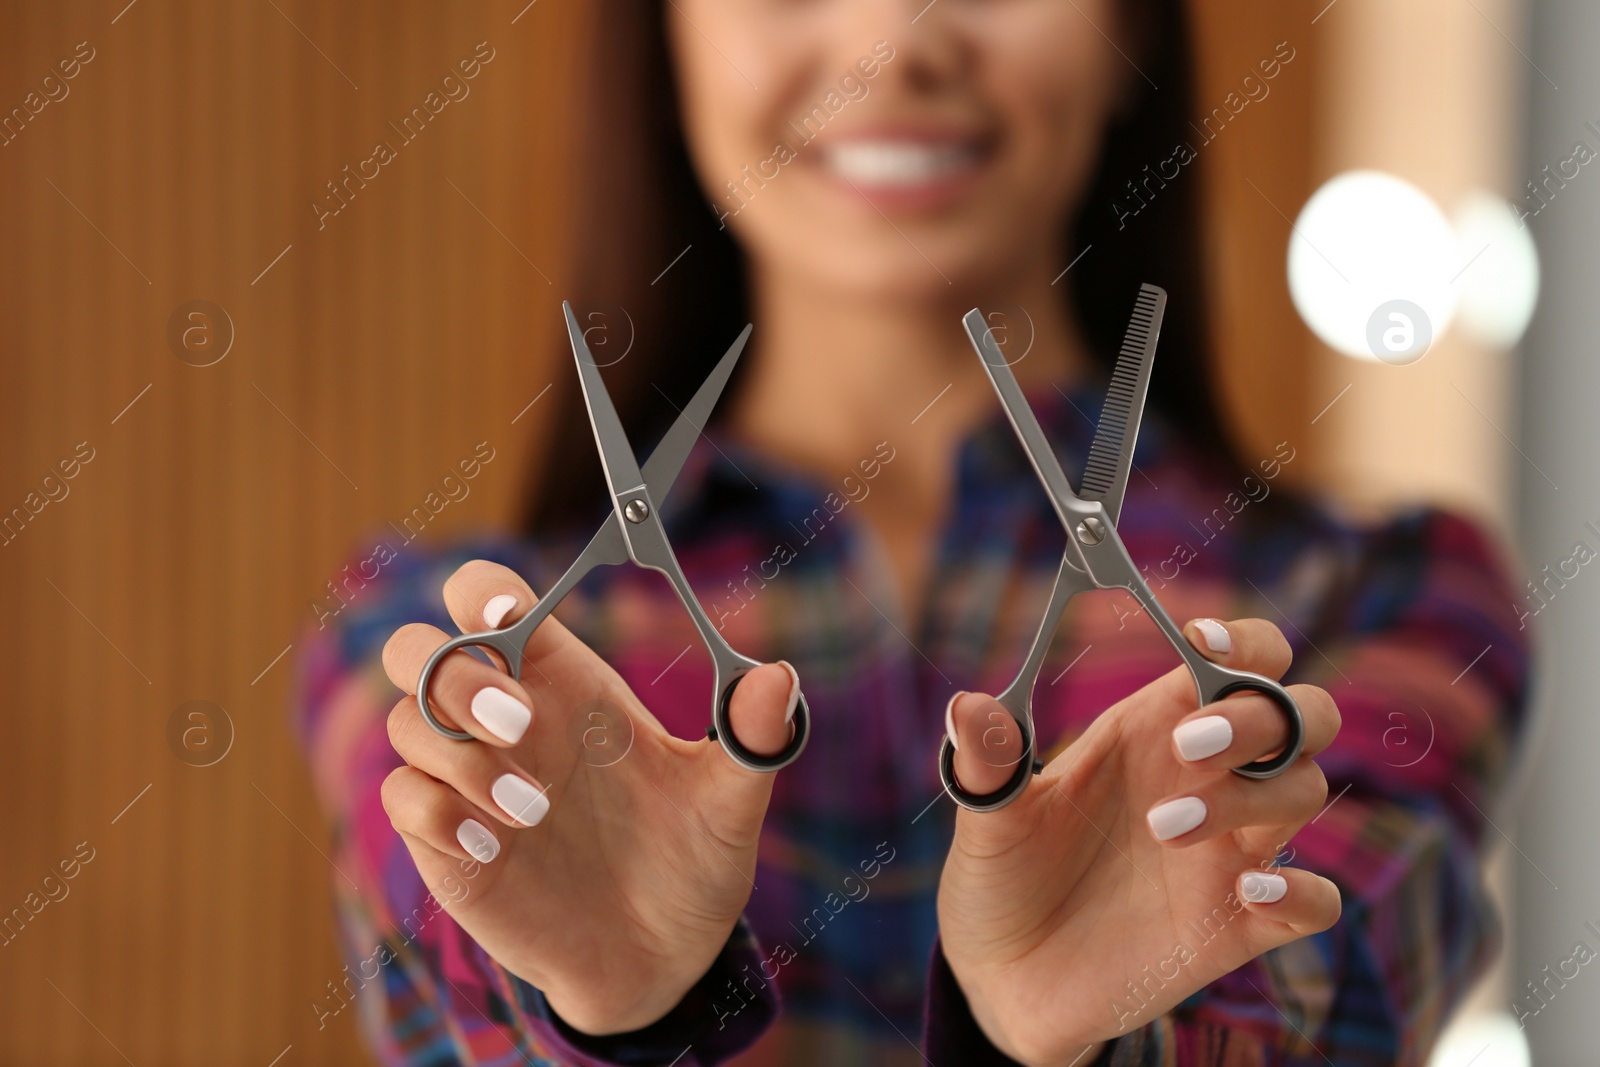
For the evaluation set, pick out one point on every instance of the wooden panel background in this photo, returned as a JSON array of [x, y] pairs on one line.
[[369, 356]]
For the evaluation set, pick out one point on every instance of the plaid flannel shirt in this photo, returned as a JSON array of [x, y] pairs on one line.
[[1409, 624]]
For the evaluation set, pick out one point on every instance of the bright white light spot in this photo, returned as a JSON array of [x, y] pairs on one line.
[[1369, 254], [1499, 289], [1492, 1039]]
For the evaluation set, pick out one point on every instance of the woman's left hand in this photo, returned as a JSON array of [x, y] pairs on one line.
[[1127, 876]]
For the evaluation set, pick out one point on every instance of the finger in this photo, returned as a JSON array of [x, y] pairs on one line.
[[761, 709], [988, 742], [1229, 803], [1253, 645], [464, 693], [1249, 726], [483, 595], [430, 811], [760, 712], [1287, 903], [487, 777]]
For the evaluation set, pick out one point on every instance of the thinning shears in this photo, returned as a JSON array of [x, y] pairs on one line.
[[633, 532], [1095, 557]]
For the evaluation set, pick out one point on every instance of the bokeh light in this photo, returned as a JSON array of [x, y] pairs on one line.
[[1499, 282], [1365, 243]]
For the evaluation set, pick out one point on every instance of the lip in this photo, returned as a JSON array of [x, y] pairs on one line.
[[911, 194]]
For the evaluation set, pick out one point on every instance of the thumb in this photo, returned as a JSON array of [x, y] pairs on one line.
[[989, 747], [762, 708], [987, 740], [761, 713]]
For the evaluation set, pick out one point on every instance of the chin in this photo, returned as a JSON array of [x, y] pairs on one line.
[[882, 264], [900, 274]]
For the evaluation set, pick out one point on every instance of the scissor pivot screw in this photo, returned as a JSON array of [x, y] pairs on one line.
[[1091, 532], [636, 510]]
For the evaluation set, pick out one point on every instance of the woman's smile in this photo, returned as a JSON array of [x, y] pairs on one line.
[[906, 168]]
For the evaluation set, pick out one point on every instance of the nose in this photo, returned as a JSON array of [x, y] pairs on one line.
[[931, 48]]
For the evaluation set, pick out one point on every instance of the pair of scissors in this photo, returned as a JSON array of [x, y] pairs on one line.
[[1095, 557], [633, 532]]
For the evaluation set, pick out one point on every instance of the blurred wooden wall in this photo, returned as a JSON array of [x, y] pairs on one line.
[[1259, 171], [367, 361], [368, 357]]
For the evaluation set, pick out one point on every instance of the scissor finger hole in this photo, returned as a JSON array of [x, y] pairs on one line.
[[1294, 722], [476, 647], [722, 732], [1021, 775], [994, 735]]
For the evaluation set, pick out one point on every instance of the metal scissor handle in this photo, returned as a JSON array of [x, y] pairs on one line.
[[729, 665], [508, 641], [721, 728], [1026, 767], [648, 545], [1018, 701], [1109, 560], [1212, 681], [730, 668]]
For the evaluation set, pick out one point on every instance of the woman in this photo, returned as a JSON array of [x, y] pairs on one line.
[[862, 519]]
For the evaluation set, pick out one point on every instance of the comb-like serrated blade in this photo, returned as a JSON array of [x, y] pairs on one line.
[[1105, 475]]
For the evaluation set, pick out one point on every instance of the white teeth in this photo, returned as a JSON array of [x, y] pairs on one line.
[[898, 162]]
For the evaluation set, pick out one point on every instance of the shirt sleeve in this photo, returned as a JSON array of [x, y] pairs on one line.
[[425, 992], [1414, 632], [952, 1035], [1422, 647]]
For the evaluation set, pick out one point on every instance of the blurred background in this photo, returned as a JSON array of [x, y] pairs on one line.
[[212, 389]]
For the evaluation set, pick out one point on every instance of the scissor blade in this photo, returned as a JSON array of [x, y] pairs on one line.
[[616, 455], [1105, 474], [662, 468], [1023, 420], [608, 547]]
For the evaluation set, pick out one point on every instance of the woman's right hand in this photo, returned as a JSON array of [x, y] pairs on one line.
[[610, 886]]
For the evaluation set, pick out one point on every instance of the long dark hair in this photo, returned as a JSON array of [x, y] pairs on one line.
[[637, 205]]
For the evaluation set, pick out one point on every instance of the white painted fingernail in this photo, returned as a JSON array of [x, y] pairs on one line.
[[1215, 634], [950, 720], [1259, 888], [478, 841], [1176, 817], [496, 609], [519, 799], [794, 689], [1202, 737], [501, 714]]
